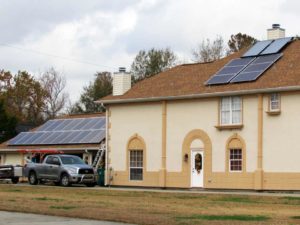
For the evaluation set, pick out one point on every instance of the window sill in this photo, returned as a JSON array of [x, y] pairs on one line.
[[273, 113], [229, 127]]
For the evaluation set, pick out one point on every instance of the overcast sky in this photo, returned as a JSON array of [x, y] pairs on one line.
[[108, 34]]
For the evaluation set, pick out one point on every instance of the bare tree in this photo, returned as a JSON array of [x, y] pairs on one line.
[[54, 84], [209, 51]]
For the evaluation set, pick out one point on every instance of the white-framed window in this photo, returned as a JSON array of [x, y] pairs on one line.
[[231, 110], [136, 164], [274, 102], [235, 160]]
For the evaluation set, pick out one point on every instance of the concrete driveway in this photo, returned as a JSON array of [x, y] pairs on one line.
[[12, 218]]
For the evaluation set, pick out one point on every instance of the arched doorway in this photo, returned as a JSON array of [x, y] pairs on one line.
[[197, 146]]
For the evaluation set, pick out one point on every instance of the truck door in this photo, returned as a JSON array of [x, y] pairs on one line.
[[53, 169], [44, 167]]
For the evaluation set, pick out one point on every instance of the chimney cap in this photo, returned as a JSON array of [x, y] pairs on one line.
[[275, 25], [122, 69]]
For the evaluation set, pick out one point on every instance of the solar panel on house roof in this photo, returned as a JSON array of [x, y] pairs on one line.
[[276, 46], [64, 131], [229, 71], [256, 68], [257, 48]]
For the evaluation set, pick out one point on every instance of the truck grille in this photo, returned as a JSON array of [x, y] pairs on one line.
[[86, 171]]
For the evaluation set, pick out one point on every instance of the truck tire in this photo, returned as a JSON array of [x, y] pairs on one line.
[[64, 180], [15, 180], [32, 179]]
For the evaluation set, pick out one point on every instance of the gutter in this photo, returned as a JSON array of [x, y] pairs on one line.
[[204, 95], [3, 150]]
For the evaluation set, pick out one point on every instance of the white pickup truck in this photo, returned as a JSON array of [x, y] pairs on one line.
[[63, 170]]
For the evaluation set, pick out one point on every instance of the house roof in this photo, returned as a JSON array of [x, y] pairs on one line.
[[189, 79]]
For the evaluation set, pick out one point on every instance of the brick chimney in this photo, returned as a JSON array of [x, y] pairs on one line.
[[276, 32], [121, 82]]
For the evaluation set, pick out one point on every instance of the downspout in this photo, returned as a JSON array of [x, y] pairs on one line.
[[163, 171], [106, 145], [258, 178]]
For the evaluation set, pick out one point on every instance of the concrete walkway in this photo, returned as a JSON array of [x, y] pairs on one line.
[[12, 218], [185, 191], [205, 191]]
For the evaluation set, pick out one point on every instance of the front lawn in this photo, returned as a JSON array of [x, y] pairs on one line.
[[151, 208]]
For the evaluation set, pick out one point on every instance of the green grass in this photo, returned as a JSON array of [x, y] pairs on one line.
[[237, 199], [13, 190], [295, 217], [47, 199], [291, 198], [66, 207], [224, 217]]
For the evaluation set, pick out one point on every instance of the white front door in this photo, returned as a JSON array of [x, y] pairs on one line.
[[197, 168]]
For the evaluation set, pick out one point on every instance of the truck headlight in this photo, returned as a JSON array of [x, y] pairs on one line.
[[72, 170]]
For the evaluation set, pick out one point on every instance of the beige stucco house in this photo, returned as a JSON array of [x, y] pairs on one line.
[[174, 130]]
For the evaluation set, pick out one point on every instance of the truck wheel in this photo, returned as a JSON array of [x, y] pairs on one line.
[[15, 180], [32, 179], [64, 180]]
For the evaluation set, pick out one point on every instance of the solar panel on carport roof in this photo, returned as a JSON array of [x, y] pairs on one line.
[[99, 124], [276, 46], [18, 138], [229, 71], [98, 137], [257, 48], [256, 68], [63, 131], [45, 126]]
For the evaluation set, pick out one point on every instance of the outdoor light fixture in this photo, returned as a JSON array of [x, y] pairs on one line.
[[186, 157]]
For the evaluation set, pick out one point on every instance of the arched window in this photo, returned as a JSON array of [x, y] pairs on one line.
[[236, 154], [136, 150]]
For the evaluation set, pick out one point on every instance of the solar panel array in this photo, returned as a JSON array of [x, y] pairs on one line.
[[267, 47], [256, 68], [252, 64], [229, 71], [64, 131], [257, 48]]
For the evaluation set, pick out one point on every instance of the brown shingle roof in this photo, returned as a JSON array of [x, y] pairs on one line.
[[189, 79]]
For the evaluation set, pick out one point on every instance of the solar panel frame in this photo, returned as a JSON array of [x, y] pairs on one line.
[[257, 48], [276, 46], [223, 76], [262, 62]]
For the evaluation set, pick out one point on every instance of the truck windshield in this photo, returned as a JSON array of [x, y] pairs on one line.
[[67, 160]]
